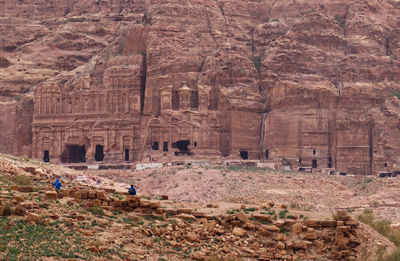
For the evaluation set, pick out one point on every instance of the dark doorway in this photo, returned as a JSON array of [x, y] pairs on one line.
[[314, 152], [165, 147], [76, 153], [126, 154], [99, 155], [183, 146], [155, 146], [244, 154], [330, 162], [195, 143], [46, 156], [314, 163], [266, 154]]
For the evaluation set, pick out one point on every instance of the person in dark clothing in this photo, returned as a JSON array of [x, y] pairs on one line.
[[132, 190]]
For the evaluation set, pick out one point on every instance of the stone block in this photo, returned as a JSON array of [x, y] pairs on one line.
[[310, 235], [300, 245], [101, 194], [280, 237], [66, 192], [199, 214], [263, 231], [342, 215], [34, 218], [26, 189], [186, 216], [155, 204], [164, 197], [19, 199], [51, 194], [268, 204], [1, 210], [343, 228], [242, 217], [144, 204], [117, 203], [97, 203], [20, 210], [14, 187], [192, 237], [133, 204], [271, 228], [84, 194], [297, 228], [249, 226], [237, 231], [92, 194], [319, 244], [130, 198], [185, 210], [312, 223], [170, 211], [352, 223], [328, 223]]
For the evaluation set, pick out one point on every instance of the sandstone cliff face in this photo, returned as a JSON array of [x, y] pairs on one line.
[[299, 83]]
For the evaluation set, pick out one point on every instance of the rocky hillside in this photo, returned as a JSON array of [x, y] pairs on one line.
[[95, 222], [298, 82]]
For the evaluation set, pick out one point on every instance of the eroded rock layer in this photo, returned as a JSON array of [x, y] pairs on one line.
[[309, 83]]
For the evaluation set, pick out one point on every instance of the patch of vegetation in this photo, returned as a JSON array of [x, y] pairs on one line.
[[392, 257], [283, 213], [298, 206], [21, 180], [4, 179], [397, 94], [7, 209], [381, 226], [340, 20], [364, 183], [25, 241], [246, 168], [249, 209], [257, 62], [97, 211], [232, 211]]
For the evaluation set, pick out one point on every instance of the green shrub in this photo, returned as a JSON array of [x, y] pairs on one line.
[[97, 211], [381, 226], [7, 209], [257, 62], [283, 213], [340, 20], [393, 257], [397, 94], [21, 180]]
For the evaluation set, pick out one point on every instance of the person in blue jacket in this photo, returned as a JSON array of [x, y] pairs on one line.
[[57, 184], [132, 190]]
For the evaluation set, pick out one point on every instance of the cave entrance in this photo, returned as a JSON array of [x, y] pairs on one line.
[[126, 154], [330, 162], [155, 146], [99, 154], [46, 156], [244, 154], [183, 146], [314, 163], [266, 154], [76, 153], [165, 147]]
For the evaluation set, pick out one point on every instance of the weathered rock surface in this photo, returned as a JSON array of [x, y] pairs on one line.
[[298, 83]]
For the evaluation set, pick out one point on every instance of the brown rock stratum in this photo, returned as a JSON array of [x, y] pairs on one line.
[[300, 83]]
